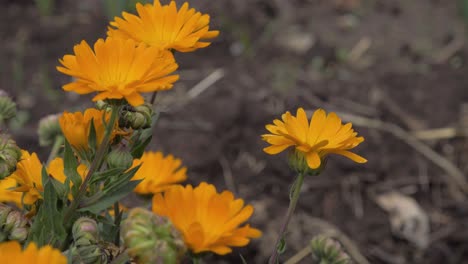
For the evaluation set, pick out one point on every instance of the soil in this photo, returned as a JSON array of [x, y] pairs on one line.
[[396, 61]]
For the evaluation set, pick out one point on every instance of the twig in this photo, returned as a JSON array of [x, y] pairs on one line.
[[455, 178], [205, 83], [438, 133], [306, 251]]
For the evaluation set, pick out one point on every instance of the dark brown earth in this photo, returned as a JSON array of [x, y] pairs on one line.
[[397, 61]]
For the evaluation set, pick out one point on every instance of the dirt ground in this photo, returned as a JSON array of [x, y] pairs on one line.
[[393, 67]]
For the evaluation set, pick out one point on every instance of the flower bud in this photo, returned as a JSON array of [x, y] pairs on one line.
[[138, 117], [119, 158], [85, 229], [151, 238], [328, 251], [13, 224], [85, 248], [298, 163], [9, 155], [7, 107], [49, 129]]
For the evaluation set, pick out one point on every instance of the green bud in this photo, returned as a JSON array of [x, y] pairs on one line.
[[7, 107], [85, 229], [298, 163], [49, 129], [138, 117], [326, 250], [10, 154], [119, 158], [13, 224], [151, 238], [85, 248]]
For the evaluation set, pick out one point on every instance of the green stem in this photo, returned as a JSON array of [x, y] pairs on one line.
[[296, 191], [117, 219], [94, 165], [55, 148]]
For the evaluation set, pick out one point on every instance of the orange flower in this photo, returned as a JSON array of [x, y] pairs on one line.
[[76, 127], [158, 172], [118, 68], [325, 134], [208, 220], [11, 252], [164, 27], [27, 179]]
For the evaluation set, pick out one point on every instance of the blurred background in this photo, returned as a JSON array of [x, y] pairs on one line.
[[395, 68]]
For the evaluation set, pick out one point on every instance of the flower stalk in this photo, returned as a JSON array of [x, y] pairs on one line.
[[294, 198]]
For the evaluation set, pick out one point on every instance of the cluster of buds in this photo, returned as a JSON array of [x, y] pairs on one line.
[[7, 107], [326, 250], [10, 154], [138, 117], [13, 224], [85, 248], [151, 238], [49, 129]]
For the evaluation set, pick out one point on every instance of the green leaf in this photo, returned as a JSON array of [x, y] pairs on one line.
[[48, 228], [70, 164], [109, 198], [141, 143], [92, 141], [105, 175], [281, 246]]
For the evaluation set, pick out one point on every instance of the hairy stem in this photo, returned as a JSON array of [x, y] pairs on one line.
[[296, 191]]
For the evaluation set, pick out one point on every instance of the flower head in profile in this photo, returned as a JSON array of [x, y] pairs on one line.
[[208, 220], [158, 172], [164, 27], [323, 135], [27, 179], [11, 252], [118, 68], [76, 127]]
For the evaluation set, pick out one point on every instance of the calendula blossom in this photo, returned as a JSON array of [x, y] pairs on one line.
[[6, 194], [158, 172], [11, 252], [28, 178], [76, 127], [164, 27], [118, 68], [325, 134], [208, 220]]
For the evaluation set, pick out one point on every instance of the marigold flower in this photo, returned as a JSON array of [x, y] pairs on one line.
[[158, 172], [118, 68], [11, 252], [164, 27], [76, 127], [6, 194], [208, 220], [28, 177], [325, 134]]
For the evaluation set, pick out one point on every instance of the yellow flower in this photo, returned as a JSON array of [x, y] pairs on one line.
[[164, 27], [118, 68], [208, 220], [76, 127], [324, 135], [27, 178], [158, 172], [56, 170], [11, 252], [6, 194]]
